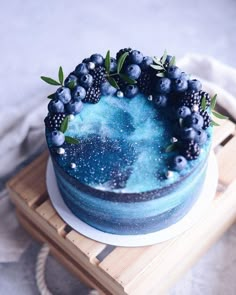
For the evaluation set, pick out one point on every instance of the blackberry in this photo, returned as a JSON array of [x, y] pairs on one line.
[[54, 121], [207, 97], [93, 95], [122, 51], [191, 150], [145, 82], [98, 75], [190, 99], [206, 119]]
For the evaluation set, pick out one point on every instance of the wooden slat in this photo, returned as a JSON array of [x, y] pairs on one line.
[[30, 182], [70, 248], [46, 210], [89, 247], [57, 223], [221, 132]]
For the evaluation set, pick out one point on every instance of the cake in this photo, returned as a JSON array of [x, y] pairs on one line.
[[129, 138]]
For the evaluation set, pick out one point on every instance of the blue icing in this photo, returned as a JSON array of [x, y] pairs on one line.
[[122, 146]]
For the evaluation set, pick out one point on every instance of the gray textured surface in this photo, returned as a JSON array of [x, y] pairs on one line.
[[38, 36]]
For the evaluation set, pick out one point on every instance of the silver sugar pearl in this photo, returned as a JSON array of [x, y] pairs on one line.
[[150, 97], [71, 117], [119, 94], [173, 140], [91, 65], [72, 165], [61, 151], [195, 108], [169, 174]]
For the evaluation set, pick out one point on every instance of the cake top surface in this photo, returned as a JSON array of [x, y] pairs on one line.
[[130, 124]]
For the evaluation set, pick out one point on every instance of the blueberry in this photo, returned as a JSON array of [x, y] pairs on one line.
[[201, 136], [107, 89], [179, 85], [97, 59], [74, 107], [79, 93], [81, 69], [194, 120], [56, 106], [131, 91], [179, 163], [187, 133], [135, 57], [113, 65], [184, 76], [183, 112], [160, 100], [63, 94], [133, 71], [86, 80], [173, 72], [57, 138], [71, 81], [163, 85], [194, 85], [146, 62]]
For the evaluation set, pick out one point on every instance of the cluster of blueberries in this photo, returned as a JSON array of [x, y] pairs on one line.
[[165, 85]]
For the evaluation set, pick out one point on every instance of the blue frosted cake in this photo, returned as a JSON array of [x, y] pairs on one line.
[[129, 138]]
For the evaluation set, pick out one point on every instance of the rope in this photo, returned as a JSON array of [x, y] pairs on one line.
[[40, 270]]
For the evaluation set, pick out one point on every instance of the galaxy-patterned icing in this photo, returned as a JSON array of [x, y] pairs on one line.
[[118, 184]]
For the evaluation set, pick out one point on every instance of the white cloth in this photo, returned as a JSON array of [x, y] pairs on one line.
[[22, 133]]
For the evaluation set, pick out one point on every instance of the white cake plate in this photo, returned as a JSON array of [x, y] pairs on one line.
[[192, 217]]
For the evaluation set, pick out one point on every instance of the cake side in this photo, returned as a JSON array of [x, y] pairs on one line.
[[129, 138]]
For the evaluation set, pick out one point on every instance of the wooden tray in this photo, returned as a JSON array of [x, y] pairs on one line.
[[119, 270]]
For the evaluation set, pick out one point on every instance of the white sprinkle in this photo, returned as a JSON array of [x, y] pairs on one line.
[[71, 117], [61, 151], [91, 65], [169, 174], [119, 94], [150, 97], [72, 165], [195, 108], [173, 140]]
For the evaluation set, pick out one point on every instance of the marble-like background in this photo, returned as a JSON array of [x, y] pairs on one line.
[[38, 36]]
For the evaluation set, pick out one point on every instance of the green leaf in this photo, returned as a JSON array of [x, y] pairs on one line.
[[127, 79], [64, 124], [51, 96], [213, 123], [213, 101], [71, 140], [50, 80], [108, 62], [61, 75], [164, 56], [113, 82], [160, 75], [121, 61], [203, 103], [172, 61], [156, 67], [171, 147], [72, 84], [157, 61], [219, 116]]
